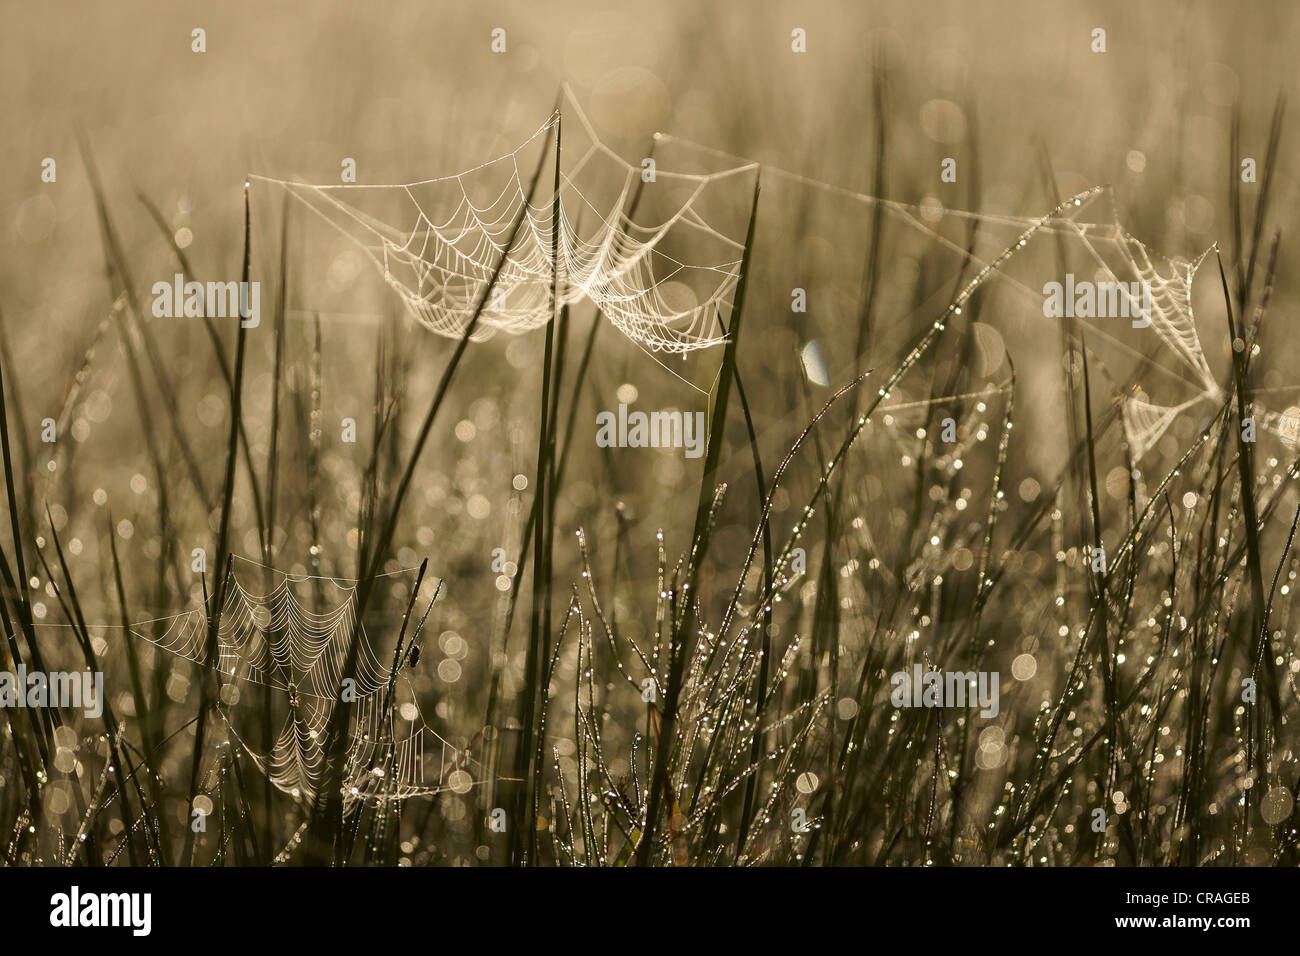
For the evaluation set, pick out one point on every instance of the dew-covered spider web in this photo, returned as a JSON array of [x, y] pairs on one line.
[[664, 284], [279, 642], [1174, 366], [437, 242]]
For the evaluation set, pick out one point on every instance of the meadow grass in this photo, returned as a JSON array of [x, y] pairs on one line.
[[710, 683]]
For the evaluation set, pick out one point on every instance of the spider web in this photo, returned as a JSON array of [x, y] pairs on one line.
[[276, 641], [1119, 257], [1172, 319], [1145, 422], [437, 243]]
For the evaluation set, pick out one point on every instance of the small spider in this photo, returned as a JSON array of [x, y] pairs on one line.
[[413, 657]]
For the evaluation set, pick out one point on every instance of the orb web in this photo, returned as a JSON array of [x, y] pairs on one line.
[[277, 641], [437, 244]]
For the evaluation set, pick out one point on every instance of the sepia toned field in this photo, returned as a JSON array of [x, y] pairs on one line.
[[663, 434]]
